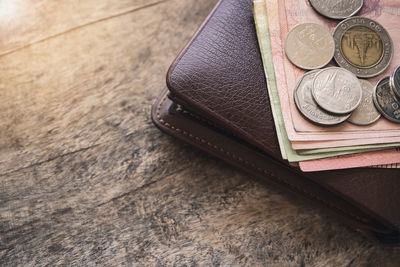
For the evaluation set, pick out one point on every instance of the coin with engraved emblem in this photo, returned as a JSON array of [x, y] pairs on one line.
[[307, 105], [366, 112], [337, 9], [309, 46], [395, 82], [384, 100], [337, 90], [362, 46]]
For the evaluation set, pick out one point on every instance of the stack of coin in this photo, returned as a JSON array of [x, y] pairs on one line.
[[303, 95], [395, 82], [362, 48], [387, 96], [334, 95]]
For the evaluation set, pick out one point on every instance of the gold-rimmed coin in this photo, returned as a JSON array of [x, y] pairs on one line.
[[309, 46], [362, 46]]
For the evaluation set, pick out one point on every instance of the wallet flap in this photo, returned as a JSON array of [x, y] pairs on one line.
[[220, 75]]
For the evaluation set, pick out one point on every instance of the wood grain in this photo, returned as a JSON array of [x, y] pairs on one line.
[[86, 179], [25, 22], [73, 91]]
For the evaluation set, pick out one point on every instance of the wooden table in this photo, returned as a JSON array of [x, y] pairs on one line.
[[86, 179]]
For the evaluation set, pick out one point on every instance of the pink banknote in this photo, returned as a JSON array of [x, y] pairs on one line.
[[301, 145], [387, 158], [292, 12]]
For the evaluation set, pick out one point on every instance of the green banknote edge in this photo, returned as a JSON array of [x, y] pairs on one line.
[[360, 148], [262, 28]]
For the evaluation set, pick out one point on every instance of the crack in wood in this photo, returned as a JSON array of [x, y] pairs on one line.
[[129, 11], [49, 160]]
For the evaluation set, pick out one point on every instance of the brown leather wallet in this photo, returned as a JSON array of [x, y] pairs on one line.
[[217, 101]]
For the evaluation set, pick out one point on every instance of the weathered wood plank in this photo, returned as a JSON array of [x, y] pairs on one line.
[[85, 179], [77, 90], [25, 22], [201, 213]]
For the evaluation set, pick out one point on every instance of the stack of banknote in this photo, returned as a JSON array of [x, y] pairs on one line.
[[314, 145]]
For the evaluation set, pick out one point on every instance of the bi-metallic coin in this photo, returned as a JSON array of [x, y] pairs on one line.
[[386, 102], [337, 9], [309, 46], [395, 82], [363, 47], [366, 112], [337, 90], [307, 105]]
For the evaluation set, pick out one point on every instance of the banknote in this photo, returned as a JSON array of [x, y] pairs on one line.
[[262, 25], [355, 149], [262, 22], [262, 28], [387, 141], [384, 157], [292, 12]]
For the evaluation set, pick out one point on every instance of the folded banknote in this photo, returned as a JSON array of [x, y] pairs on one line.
[[317, 147]]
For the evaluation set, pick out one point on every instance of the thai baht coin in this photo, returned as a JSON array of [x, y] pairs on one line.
[[337, 90], [395, 82], [337, 9], [309, 46], [386, 102], [307, 105], [366, 112], [362, 46]]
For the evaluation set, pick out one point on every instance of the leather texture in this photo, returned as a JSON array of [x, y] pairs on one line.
[[221, 73], [219, 77]]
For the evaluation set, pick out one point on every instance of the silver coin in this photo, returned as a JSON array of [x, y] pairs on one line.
[[337, 90], [307, 105], [366, 112], [337, 9], [384, 100], [395, 82], [309, 46], [362, 46]]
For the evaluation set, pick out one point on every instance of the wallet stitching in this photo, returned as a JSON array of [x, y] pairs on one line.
[[185, 112], [241, 160]]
